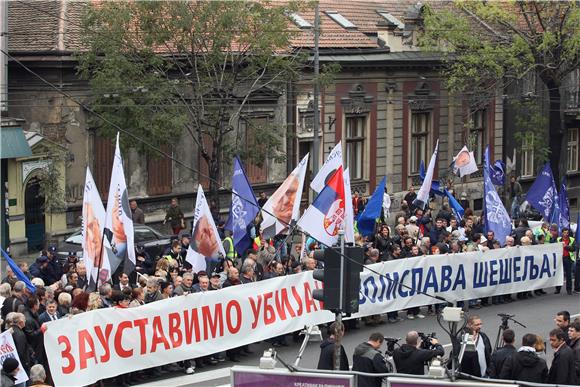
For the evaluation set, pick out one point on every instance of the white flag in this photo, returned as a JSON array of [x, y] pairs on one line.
[[464, 163], [284, 204], [118, 221], [205, 240], [348, 209], [93, 224], [423, 194], [332, 163]]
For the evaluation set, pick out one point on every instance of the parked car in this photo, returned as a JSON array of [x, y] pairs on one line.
[[154, 242]]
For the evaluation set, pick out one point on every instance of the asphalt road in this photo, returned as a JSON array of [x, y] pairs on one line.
[[536, 314]]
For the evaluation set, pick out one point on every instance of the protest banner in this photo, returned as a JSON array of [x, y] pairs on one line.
[[108, 342], [7, 350]]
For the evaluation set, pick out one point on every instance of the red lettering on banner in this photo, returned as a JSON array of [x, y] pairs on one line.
[[211, 324], [67, 355], [269, 315], [104, 340], [283, 304], [191, 322], [298, 300], [255, 310], [174, 323], [118, 340], [84, 354], [308, 300], [141, 325], [236, 305], [158, 335]]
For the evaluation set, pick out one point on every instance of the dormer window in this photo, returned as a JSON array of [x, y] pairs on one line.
[[391, 19], [341, 20], [300, 22]]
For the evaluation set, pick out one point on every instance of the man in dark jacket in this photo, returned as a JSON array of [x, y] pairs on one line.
[[574, 333], [562, 370], [367, 358], [525, 364], [410, 359], [502, 354], [20, 341], [476, 363], [327, 347]]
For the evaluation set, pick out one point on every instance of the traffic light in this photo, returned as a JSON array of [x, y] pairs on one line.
[[330, 278]]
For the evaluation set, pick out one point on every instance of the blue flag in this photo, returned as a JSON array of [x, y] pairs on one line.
[[564, 213], [543, 195], [244, 207], [19, 274], [455, 206], [497, 172], [496, 216], [366, 221]]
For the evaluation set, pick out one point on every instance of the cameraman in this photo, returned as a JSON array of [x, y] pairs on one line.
[[367, 358], [410, 358]]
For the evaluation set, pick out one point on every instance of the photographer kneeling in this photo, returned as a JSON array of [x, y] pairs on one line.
[[410, 358]]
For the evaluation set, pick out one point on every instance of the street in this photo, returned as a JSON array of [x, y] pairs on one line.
[[536, 314]]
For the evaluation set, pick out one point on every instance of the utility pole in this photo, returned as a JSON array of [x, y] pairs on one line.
[[338, 316], [316, 141]]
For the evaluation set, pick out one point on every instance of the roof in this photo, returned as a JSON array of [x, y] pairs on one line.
[[47, 26], [13, 143]]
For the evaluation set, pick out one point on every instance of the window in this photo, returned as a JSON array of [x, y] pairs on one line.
[[420, 125], [160, 173], [252, 127], [391, 19], [104, 154], [300, 22], [478, 134], [528, 155], [355, 139], [341, 20], [573, 149]]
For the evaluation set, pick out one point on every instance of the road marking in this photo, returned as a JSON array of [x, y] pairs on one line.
[[186, 380]]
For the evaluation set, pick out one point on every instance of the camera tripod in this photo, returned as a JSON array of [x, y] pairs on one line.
[[499, 343]]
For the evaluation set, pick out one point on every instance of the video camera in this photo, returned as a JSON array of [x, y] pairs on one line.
[[391, 343], [426, 340]]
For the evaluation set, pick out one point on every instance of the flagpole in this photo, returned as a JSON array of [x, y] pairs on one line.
[[100, 262]]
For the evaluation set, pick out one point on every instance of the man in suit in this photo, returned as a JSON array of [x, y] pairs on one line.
[[51, 313], [123, 283]]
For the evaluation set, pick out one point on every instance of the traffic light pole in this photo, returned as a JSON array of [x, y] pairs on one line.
[[338, 316]]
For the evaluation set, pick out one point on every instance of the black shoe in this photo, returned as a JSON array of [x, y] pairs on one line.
[[234, 359], [569, 292], [557, 291], [542, 291]]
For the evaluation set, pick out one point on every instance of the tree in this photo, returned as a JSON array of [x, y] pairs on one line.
[[51, 185], [159, 68], [487, 43]]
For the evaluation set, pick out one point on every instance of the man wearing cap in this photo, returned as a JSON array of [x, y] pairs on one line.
[[214, 281], [10, 369], [184, 237]]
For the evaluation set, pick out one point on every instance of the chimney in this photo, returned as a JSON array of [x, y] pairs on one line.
[[387, 32]]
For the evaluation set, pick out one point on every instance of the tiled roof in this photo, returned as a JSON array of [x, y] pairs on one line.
[[44, 25], [53, 25]]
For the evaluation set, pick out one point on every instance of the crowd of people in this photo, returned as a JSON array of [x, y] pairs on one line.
[[63, 288], [524, 363]]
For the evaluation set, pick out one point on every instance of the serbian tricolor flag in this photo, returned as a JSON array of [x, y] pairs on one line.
[[325, 216]]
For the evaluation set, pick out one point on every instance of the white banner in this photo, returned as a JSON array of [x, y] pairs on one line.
[[119, 221], [100, 344], [93, 224], [205, 240], [7, 350]]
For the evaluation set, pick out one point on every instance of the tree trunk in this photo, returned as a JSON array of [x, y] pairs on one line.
[[215, 172], [557, 135]]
